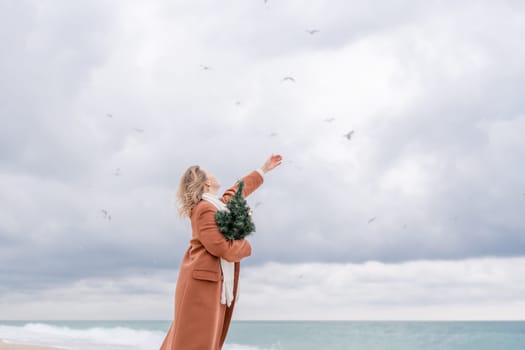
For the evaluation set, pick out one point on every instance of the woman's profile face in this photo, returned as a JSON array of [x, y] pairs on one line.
[[212, 182]]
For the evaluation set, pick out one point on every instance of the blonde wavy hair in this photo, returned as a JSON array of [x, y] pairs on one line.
[[191, 188]]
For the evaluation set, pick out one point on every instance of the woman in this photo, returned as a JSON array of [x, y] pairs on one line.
[[204, 298]]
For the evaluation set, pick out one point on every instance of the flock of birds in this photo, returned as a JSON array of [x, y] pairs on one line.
[[290, 79], [104, 212]]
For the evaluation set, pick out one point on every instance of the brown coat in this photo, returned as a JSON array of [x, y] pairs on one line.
[[201, 322]]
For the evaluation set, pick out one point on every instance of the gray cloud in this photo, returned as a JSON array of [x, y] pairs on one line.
[[432, 92], [478, 289]]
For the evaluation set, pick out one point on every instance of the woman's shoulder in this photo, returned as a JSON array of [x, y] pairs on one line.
[[201, 207]]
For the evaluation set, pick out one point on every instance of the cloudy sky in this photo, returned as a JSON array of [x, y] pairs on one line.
[[419, 215]]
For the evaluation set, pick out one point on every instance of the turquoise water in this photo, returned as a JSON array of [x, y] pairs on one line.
[[381, 335], [277, 335]]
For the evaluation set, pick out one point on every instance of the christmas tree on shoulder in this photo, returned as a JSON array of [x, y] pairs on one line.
[[236, 223]]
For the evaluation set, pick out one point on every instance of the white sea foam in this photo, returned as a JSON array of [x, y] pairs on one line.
[[100, 338], [240, 347], [278, 335], [115, 338]]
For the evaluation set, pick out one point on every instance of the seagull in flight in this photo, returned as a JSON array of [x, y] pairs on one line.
[[371, 220], [312, 31], [349, 134], [289, 79], [106, 215]]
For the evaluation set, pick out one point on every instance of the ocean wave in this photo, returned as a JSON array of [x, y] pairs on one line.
[[240, 347], [111, 338], [100, 338]]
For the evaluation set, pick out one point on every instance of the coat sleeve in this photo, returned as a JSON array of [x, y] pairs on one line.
[[213, 240], [251, 182]]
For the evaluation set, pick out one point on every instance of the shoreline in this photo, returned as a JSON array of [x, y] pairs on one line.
[[16, 346]]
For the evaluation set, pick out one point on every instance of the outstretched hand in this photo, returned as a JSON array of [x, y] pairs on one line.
[[272, 162]]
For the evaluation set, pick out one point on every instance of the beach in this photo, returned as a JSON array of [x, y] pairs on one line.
[[6, 346]]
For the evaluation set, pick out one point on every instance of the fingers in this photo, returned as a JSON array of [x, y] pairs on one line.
[[276, 160], [276, 157], [273, 161]]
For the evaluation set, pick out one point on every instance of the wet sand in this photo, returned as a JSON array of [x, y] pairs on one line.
[[9, 346]]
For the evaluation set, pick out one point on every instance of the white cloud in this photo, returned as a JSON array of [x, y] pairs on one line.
[[474, 289], [432, 91], [462, 289]]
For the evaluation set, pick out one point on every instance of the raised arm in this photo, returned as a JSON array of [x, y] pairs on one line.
[[251, 182], [254, 179]]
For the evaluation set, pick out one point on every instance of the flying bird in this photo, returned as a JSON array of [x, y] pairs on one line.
[[109, 115], [312, 31], [349, 134], [205, 67], [289, 79], [371, 220], [106, 215]]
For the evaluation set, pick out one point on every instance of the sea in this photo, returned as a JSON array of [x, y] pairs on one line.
[[278, 335]]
